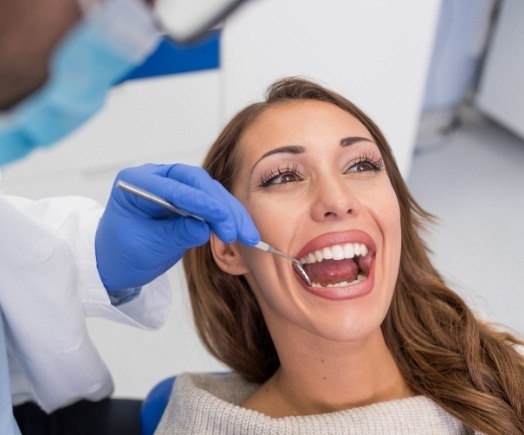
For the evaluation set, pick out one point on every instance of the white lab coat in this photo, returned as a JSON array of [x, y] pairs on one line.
[[48, 283]]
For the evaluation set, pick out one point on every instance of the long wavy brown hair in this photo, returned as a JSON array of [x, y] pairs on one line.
[[443, 351]]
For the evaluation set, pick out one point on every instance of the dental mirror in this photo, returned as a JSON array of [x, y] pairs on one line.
[[296, 264]]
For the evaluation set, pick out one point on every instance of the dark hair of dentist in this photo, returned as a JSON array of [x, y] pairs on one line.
[[442, 350]]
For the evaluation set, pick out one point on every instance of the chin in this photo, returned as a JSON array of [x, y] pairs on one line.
[[345, 327]]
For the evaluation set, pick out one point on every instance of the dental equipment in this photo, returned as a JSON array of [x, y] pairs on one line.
[[162, 202], [296, 264]]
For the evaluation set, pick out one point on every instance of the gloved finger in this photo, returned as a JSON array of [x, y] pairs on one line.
[[194, 181], [246, 230], [205, 204], [187, 233], [139, 177], [193, 190], [223, 224], [199, 200], [239, 224]]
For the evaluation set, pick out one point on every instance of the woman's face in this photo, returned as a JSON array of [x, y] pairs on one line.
[[312, 178]]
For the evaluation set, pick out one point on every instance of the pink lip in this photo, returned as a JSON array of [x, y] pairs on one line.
[[330, 239], [351, 291]]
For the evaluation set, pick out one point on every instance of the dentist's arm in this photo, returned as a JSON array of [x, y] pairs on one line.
[[137, 240]]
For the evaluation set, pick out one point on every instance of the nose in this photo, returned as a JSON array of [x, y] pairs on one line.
[[334, 198]]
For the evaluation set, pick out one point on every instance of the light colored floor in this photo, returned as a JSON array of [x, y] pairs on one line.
[[473, 180]]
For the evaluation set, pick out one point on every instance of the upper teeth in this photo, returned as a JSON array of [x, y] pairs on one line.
[[335, 252]]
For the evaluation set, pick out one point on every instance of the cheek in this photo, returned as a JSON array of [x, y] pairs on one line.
[[278, 224], [389, 221], [387, 213], [276, 220]]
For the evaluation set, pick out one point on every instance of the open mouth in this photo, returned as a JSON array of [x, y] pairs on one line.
[[338, 265]]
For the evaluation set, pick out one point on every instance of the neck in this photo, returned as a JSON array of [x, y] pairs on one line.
[[326, 376]]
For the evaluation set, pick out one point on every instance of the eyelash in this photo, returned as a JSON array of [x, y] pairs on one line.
[[269, 177], [376, 165]]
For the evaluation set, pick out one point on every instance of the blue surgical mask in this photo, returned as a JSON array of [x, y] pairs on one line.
[[114, 36]]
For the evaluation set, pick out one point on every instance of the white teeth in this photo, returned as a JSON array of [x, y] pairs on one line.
[[327, 253], [336, 252], [349, 252]]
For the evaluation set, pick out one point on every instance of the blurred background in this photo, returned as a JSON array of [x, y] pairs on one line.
[[444, 79]]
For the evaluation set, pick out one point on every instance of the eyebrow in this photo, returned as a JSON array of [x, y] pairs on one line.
[[348, 141], [298, 149], [288, 149]]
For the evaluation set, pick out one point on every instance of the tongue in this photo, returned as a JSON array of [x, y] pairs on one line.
[[335, 271], [364, 263], [332, 271]]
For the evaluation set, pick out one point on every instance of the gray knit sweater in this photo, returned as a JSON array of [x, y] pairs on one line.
[[209, 404]]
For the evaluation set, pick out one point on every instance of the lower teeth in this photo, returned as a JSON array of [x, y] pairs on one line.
[[361, 277]]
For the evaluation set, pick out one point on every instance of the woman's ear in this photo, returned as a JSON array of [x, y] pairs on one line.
[[227, 256]]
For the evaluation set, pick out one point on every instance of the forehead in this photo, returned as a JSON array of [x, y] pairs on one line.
[[299, 123]]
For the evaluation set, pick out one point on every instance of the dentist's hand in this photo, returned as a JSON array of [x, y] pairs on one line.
[[137, 240]]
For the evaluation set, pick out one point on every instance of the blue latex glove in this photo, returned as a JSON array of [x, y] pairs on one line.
[[137, 240]]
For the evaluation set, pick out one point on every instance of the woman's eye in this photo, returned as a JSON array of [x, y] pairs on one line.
[[361, 167], [284, 178], [280, 177], [366, 165]]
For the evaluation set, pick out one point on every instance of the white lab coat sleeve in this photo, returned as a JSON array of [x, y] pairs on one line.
[[48, 281], [148, 310], [74, 220]]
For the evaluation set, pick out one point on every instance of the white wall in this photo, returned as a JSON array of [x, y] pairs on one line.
[[375, 52]]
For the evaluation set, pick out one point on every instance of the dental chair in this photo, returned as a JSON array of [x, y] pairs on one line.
[[154, 405]]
